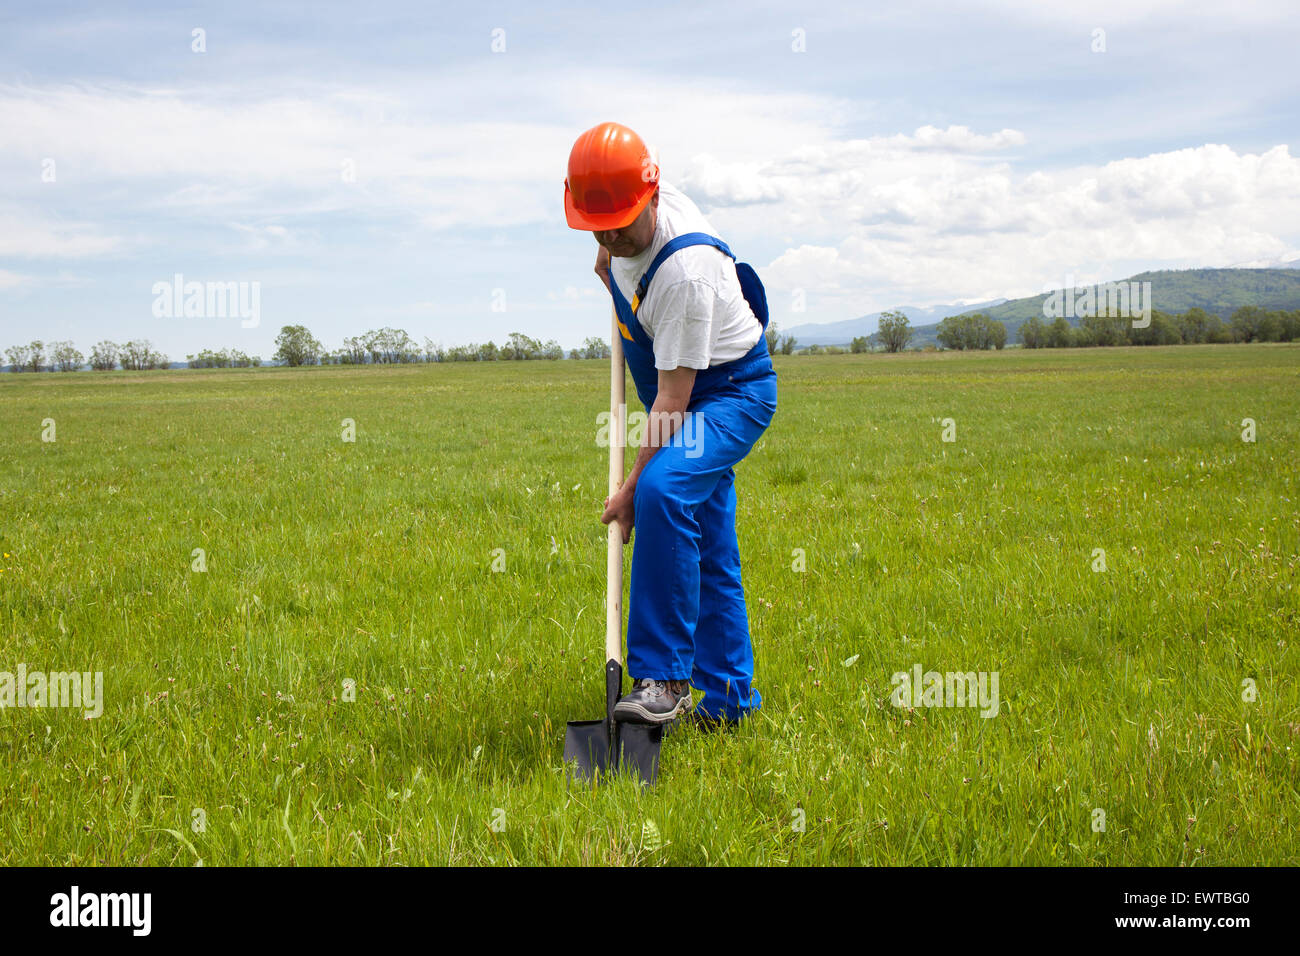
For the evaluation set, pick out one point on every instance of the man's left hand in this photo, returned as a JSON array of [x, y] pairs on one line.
[[619, 507]]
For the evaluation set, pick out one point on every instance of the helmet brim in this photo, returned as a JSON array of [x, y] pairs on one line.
[[601, 221]]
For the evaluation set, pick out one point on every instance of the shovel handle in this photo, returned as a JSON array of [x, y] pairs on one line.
[[614, 542]]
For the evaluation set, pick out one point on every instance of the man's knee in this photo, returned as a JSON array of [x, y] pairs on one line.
[[661, 490]]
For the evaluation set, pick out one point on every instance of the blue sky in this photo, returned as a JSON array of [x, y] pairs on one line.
[[912, 153]]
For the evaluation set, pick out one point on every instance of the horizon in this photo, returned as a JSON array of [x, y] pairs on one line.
[[172, 295]]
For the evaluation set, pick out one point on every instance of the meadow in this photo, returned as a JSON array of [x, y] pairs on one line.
[[210, 542]]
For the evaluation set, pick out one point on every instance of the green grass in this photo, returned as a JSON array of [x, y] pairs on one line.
[[372, 561]]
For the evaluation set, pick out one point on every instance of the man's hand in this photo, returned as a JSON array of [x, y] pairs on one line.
[[602, 267], [619, 507]]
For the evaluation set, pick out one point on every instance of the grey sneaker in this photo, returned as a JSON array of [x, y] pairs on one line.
[[654, 702]]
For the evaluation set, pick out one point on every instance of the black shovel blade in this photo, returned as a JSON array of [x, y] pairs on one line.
[[591, 751], [589, 755], [638, 750], [587, 750]]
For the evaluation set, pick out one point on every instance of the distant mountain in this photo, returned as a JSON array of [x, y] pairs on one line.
[[844, 332], [1217, 291], [1290, 261]]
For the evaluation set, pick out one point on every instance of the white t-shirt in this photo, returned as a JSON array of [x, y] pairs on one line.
[[694, 311]]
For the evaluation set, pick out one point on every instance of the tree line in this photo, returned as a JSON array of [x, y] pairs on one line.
[[1250, 323], [137, 355], [295, 345], [893, 335]]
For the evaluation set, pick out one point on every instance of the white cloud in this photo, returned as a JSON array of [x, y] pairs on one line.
[[1106, 13], [1188, 180], [260, 238], [959, 139], [13, 280], [896, 224], [26, 232], [920, 217], [873, 172], [232, 154], [572, 293]]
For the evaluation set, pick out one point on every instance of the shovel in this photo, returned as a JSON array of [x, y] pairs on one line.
[[598, 748]]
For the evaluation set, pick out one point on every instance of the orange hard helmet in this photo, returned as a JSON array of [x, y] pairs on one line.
[[611, 178]]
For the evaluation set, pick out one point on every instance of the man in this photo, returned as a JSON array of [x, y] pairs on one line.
[[692, 323]]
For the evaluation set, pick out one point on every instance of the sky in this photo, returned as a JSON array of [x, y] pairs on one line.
[[402, 164]]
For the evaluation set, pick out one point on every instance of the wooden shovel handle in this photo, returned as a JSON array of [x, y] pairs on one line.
[[614, 544]]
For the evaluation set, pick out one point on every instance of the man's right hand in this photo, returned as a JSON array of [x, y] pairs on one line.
[[602, 267]]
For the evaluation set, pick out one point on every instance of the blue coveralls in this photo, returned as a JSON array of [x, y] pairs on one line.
[[687, 618]]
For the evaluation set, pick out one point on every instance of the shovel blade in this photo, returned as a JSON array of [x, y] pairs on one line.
[[638, 751], [590, 754], [587, 749]]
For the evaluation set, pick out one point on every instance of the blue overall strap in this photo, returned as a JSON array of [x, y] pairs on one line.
[[671, 246], [628, 326]]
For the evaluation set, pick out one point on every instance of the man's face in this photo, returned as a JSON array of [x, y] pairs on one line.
[[633, 239]]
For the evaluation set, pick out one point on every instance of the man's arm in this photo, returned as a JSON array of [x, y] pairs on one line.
[[666, 416], [602, 267]]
